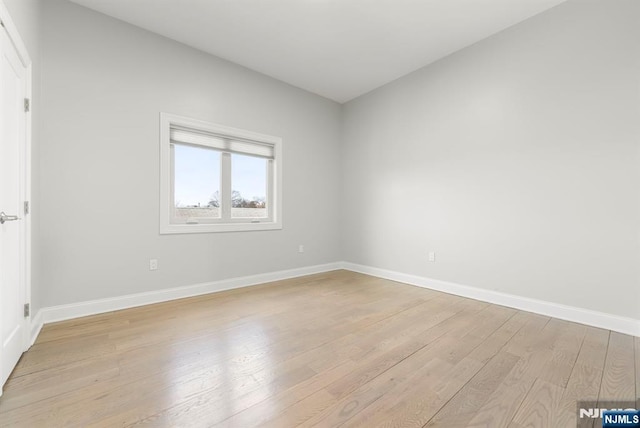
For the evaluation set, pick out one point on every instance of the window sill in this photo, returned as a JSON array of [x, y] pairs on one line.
[[168, 229]]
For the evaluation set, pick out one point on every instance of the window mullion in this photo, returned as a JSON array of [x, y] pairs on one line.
[[270, 201], [225, 184], [172, 184]]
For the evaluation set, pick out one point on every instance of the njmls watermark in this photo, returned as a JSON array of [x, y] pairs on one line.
[[608, 414]]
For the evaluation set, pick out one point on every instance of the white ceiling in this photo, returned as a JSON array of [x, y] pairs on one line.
[[339, 49]]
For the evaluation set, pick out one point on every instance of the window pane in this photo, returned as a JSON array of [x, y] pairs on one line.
[[249, 186], [197, 183]]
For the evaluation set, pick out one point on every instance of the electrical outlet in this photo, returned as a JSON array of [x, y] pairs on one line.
[[432, 256], [301, 248], [153, 264]]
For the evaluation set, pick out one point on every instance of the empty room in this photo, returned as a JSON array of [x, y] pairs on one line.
[[328, 213]]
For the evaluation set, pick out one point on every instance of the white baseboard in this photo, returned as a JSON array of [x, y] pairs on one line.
[[93, 307], [36, 326], [569, 313]]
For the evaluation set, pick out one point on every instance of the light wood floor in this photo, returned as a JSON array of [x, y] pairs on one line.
[[335, 349]]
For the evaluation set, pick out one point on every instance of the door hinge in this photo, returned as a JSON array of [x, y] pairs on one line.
[[26, 207], [27, 105], [27, 309]]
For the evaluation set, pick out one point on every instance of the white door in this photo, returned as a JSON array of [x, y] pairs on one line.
[[13, 324]]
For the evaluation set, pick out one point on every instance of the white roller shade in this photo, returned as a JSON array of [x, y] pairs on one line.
[[223, 144]]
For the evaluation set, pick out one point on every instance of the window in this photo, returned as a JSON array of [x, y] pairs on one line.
[[217, 179]]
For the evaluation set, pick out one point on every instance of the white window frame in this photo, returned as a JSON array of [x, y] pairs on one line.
[[167, 202]]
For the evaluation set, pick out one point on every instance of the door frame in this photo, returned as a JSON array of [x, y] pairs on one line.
[[25, 59]]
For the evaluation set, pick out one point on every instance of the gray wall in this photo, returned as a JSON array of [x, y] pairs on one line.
[[516, 160], [104, 84], [26, 16]]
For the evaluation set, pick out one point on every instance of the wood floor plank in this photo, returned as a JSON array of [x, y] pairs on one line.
[[412, 368], [175, 414], [498, 339], [352, 404], [473, 395], [564, 353], [54, 383], [531, 344], [618, 383], [332, 349], [220, 400], [584, 382], [419, 399], [281, 406], [380, 362], [541, 406], [372, 365]]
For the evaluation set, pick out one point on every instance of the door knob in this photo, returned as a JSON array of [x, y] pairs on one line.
[[4, 217]]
